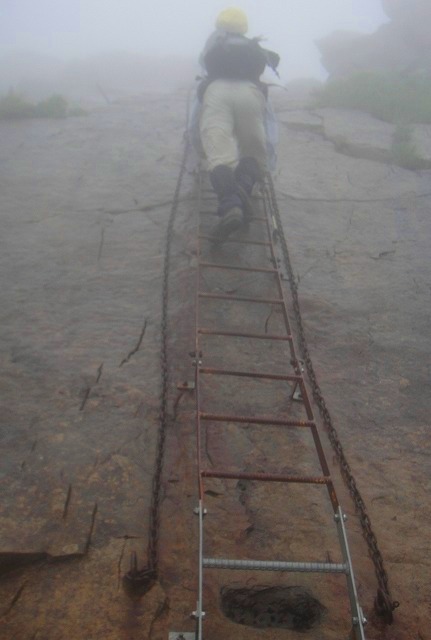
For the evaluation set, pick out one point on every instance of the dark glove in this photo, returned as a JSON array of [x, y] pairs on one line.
[[272, 59]]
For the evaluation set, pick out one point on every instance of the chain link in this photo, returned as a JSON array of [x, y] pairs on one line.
[[383, 603], [143, 579]]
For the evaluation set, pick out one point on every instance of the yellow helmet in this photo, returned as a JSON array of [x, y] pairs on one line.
[[232, 20]]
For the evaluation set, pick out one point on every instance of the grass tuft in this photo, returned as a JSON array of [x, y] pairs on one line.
[[389, 97]]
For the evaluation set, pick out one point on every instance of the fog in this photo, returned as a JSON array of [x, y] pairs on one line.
[[37, 38]]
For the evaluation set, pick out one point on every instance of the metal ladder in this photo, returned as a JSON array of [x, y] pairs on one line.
[[295, 380]]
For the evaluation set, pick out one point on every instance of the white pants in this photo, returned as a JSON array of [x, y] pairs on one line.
[[232, 123]]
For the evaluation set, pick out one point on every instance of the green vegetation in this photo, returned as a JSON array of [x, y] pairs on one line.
[[76, 111], [399, 99], [15, 106], [389, 97], [404, 151], [53, 107]]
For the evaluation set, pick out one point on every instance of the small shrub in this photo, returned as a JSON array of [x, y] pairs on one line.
[[13, 105], [53, 107]]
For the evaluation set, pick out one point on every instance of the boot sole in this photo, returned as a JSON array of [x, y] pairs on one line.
[[230, 223]]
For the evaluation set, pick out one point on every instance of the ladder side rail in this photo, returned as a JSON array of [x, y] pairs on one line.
[[199, 613], [358, 619], [307, 404]]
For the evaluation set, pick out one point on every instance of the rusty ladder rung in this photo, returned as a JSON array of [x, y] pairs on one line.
[[237, 334], [266, 477], [248, 219], [213, 196], [225, 296], [268, 420], [213, 265], [251, 242], [250, 374]]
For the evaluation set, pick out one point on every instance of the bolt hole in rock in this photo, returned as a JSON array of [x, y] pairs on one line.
[[292, 607]]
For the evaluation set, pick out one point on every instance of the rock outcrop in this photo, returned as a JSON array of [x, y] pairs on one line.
[[401, 45], [358, 134]]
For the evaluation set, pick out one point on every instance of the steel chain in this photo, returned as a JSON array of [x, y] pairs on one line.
[[145, 578], [384, 605]]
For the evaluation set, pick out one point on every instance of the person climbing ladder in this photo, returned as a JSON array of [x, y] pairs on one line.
[[232, 119]]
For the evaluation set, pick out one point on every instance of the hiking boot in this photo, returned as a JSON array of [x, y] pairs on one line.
[[230, 222], [247, 204], [224, 184], [247, 173]]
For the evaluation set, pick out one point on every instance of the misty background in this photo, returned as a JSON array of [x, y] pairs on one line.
[[133, 46]]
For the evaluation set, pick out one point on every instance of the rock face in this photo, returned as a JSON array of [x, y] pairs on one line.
[[403, 44], [358, 134], [84, 206]]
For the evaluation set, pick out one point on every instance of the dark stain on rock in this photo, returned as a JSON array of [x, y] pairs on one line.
[[292, 608], [10, 561], [212, 494]]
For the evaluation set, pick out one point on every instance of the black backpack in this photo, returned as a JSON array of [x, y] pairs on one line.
[[235, 57]]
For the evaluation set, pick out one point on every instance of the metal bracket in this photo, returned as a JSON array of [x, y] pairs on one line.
[[195, 615], [362, 618], [187, 385], [185, 635], [358, 618], [337, 517], [297, 395], [196, 358], [298, 365]]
